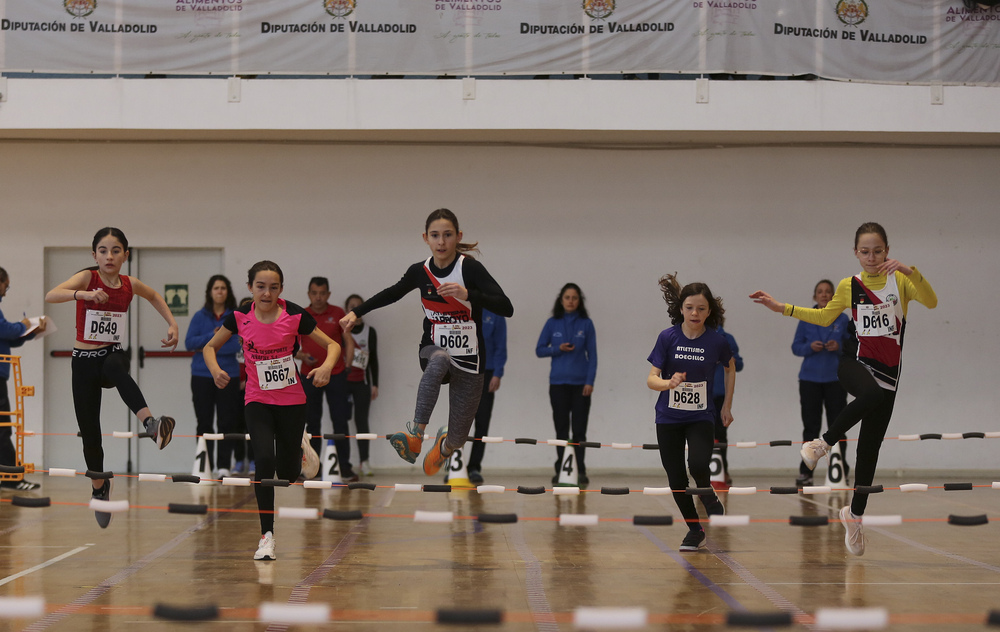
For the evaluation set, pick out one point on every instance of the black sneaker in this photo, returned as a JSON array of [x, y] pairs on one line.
[[475, 476], [803, 480], [104, 493], [160, 430], [21, 486], [693, 541], [583, 481]]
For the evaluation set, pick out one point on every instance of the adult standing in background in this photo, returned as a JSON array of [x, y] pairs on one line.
[[719, 398], [207, 398], [820, 349], [362, 378], [312, 356], [11, 335], [569, 338], [495, 337]]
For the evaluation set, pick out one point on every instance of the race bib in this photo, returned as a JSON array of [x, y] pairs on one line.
[[457, 339], [104, 326], [876, 320], [360, 359], [689, 396], [276, 374]]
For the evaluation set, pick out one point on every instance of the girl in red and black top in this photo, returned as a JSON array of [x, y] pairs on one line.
[[102, 296], [454, 290]]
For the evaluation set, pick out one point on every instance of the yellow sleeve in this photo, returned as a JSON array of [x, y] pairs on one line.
[[915, 288], [824, 316]]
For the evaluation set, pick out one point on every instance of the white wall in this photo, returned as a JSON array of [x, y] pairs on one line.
[[776, 218]]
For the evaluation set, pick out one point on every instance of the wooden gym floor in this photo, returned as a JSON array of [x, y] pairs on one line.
[[387, 572]]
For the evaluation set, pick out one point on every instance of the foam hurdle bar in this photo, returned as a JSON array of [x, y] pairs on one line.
[[816, 489], [158, 478], [699, 491], [882, 521], [809, 521], [742, 491], [505, 518], [368, 486], [590, 618], [852, 618], [333, 514], [492, 439], [99, 476], [651, 446], [213, 436], [958, 487], [140, 435], [759, 619], [236, 436], [869, 489], [491, 489], [729, 521], [653, 520], [996, 485], [365, 436], [317, 484], [180, 508], [784, 490], [294, 613], [746, 444], [469, 617], [185, 478], [951, 436], [577, 520], [968, 521], [22, 607], [615, 491], [913, 487], [909, 437], [993, 618], [109, 506], [930, 435], [28, 501], [336, 437], [300, 513], [621, 446], [12, 469], [973, 435], [185, 613], [566, 491], [521, 489], [558, 442], [991, 435], [657, 491], [61, 471], [274, 482], [122, 434], [526, 440], [433, 516], [437, 488], [237, 481], [409, 487], [780, 443], [591, 444]]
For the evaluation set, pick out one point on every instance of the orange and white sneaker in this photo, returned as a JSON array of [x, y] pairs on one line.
[[435, 459], [407, 443], [265, 550]]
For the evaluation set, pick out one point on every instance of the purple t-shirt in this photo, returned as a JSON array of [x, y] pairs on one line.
[[675, 353]]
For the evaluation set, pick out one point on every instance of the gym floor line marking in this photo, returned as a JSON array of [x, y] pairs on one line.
[[55, 560]]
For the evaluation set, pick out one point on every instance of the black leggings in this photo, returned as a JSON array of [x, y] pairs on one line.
[[276, 437], [813, 398], [361, 397], [872, 406], [93, 369], [570, 410], [699, 437], [207, 399]]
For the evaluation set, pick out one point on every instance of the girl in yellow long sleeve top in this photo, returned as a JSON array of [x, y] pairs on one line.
[[878, 298]]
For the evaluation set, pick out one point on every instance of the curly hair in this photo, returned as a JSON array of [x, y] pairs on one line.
[[674, 296]]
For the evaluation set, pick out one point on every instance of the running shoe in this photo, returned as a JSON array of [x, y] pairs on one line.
[[21, 486], [813, 451], [407, 443], [803, 480], [103, 493], [693, 541], [435, 458], [160, 430], [714, 509], [265, 550], [366, 469], [475, 476], [310, 460], [855, 536]]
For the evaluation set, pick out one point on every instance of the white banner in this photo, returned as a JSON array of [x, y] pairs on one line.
[[894, 41]]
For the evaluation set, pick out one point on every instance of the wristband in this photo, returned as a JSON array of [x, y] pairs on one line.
[[74, 294]]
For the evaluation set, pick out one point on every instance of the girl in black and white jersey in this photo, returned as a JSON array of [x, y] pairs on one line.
[[454, 289]]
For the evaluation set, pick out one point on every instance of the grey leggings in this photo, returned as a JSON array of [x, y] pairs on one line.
[[464, 391]]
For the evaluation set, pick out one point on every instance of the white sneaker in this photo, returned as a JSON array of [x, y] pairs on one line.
[[265, 550], [855, 537], [224, 473], [366, 469], [813, 451]]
